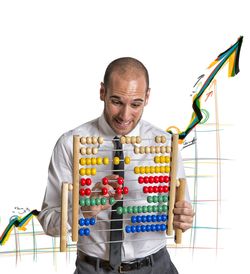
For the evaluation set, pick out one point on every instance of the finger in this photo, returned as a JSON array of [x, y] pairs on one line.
[[182, 226], [184, 211], [183, 219], [183, 204]]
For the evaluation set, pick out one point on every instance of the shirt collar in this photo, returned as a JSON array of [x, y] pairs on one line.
[[106, 130]]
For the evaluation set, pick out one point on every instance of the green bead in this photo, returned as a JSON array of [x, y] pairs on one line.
[[87, 202], [124, 210], [159, 208], [139, 209], [154, 208], [160, 199], [165, 198], [111, 200], [119, 210], [82, 202], [150, 199], [135, 209], [103, 201], [97, 201], [130, 209], [164, 208], [92, 201], [144, 209], [155, 199], [149, 209]]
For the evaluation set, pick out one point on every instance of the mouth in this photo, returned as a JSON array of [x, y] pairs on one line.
[[122, 124]]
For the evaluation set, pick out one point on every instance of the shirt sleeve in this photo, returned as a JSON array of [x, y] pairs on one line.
[[60, 170]]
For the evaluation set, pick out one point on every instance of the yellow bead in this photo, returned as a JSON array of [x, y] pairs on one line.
[[158, 139], [152, 169], [167, 159], [88, 171], [136, 150], [82, 171], [168, 149], [116, 161], [93, 161], [162, 169], [142, 169], [167, 169], [93, 171], [94, 140], [105, 160], [133, 140], [152, 149], [147, 169], [163, 149], [142, 150], [157, 169], [89, 140], [83, 150], [123, 140], [147, 149], [100, 140], [157, 159], [99, 160], [157, 149], [88, 161], [82, 161], [162, 159], [163, 139], [94, 150], [83, 140], [138, 139], [127, 160], [88, 150], [137, 170]]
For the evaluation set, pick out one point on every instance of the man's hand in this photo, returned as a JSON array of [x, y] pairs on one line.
[[183, 215]]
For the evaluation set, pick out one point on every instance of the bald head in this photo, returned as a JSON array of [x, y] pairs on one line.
[[127, 68]]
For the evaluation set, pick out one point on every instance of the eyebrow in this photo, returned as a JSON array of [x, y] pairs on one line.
[[119, 98]]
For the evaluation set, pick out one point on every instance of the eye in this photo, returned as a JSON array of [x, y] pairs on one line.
[[136, 105], [116, 102]]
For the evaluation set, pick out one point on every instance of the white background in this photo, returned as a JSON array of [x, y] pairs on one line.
[[52, 58]]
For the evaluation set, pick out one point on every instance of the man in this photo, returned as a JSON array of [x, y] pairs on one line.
[[125, 92]]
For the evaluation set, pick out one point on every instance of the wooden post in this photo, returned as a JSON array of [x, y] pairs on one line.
[[64, 217], [180, 196], [75, 197], [173, 175]]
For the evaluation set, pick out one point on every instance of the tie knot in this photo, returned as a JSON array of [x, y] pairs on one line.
[[117, 143]]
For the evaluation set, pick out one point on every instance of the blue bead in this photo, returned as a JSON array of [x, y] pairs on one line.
[[143, 228], [163, 227], [128, 229], [158, 227], [148, 228], [133, 219], [164, 217], [144, 218], [152, 227], [154, 219], [138, 219], [138, 228], [86, 231], [159, 218], [87, 221], [81, 231], [92, 221], [149, 218], [81, 222], [133, 228]]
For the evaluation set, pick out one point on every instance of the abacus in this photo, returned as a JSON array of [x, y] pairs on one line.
[[157, 179]]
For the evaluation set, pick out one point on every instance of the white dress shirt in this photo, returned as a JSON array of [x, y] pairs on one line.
[[135, 245]]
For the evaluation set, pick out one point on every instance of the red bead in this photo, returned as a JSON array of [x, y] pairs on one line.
[[120, 180], [150, 189], [87, 191], [82, 181], [125, 190], [155, 189], [160, 189], [151, 179], [165, 189], [161, 179], [166, 179], [156, 179], [140, 180], [145, 189], [118, 190], [146, 179], [88, 181], [104, 191], [82, 191], [105, 181]]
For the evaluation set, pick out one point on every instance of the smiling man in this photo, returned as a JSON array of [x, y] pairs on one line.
[[125, 92]]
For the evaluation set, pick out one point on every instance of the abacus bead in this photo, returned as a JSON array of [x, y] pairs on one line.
[[163, 227], [138, 139], [94, 140], [81, 222], [157, 149], [167, 159], [88, 181], [129, 209], [166, 179], [82, 161], [163, 139], [99, 160], [93, 161], [164, 217], [82, 171], [147, 169], [153, 218], [147, 149], [157, 169], [136, 150], [86, 231], [87, 191], [88, 150], [135, 209], [105, 181], [149, 218], [164, 208], [94, 150], [100, 140], [163, 149], [83, 150], [155, 199], [98, 201], [149, 208], [124, 210], [133, 140], [82, 181], [138, 219], [144, 210], [140, 180], [92, 201], [159, 208], [103, 201], [160, 189], [143, 228], [162, 169], [152, 227], [133, 219], [105, 160], [165, 189], [160, 199], [149, 199], [133, 228], [92, 221], [120, 180], [146, 179], [127, 160], [142, 169], [151, 179], [87, 202], [87, 221], [81, 231], [167, 169], [88, 161], [161, 179], [82, 191], [164, 198], [157, 159], [152, 149], [104, 191], [157, 139], [139, 208], [137, 170], [154, 209], [111, 200], [116, 161], [82, 202], [93, 171], [122, 140], [156, 179], [125, 190], [83, 140], [162, 159], [88, 140], [168, 149], [152, 169], [142, 150], [118, 190], [128, 229], [145, 189], [138, 228], [88, 171], [157, 227], [150, 189], [128, 140]]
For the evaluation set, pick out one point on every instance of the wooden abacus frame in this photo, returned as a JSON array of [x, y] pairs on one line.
[[177, 193]]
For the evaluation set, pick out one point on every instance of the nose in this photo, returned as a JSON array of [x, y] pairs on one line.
[[125, 113]]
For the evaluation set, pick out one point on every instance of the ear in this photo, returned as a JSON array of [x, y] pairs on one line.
[[102, 92], [147, 96]]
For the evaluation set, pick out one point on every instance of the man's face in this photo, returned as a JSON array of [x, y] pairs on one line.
[[124, 101]]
